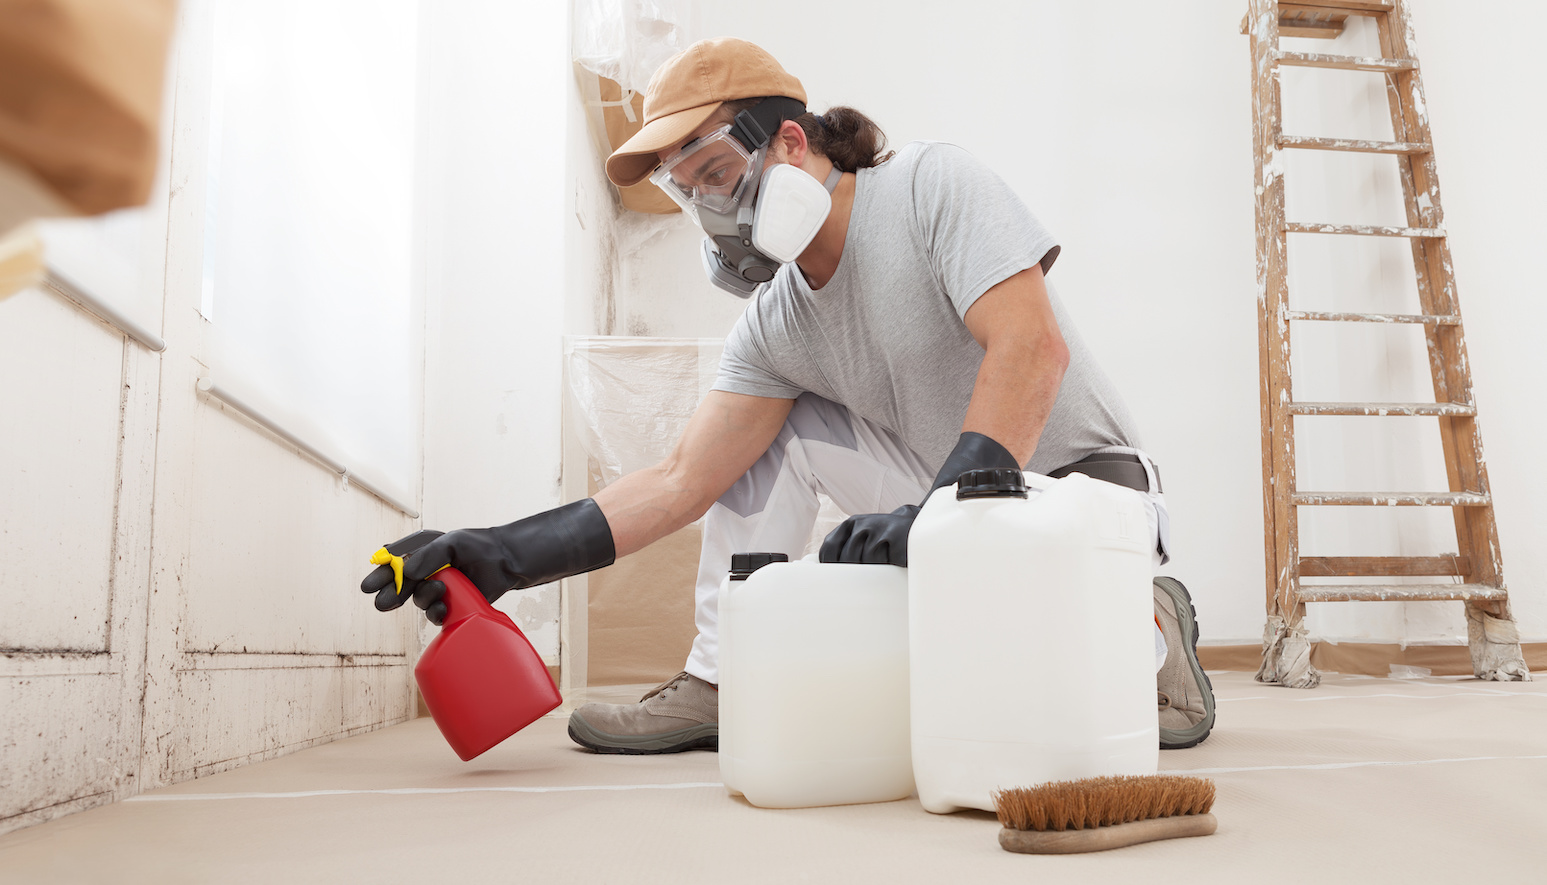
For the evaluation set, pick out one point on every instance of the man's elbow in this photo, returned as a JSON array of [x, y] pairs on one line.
[[1052, 359], [1043, 357], [1058, 356]]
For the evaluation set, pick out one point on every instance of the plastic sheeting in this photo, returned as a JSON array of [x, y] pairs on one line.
[[617, 45], [631, 398], [626, 40]]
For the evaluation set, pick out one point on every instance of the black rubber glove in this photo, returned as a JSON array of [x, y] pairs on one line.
[[882, 538], [551, 545]]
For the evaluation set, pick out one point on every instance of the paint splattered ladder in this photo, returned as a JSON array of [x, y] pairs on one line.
[[1474, 572]]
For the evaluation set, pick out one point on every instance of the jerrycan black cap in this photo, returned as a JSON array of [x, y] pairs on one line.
[[993, 482], [743, 564]]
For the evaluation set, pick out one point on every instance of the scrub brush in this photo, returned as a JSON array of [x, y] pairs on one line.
[[1098, 813]]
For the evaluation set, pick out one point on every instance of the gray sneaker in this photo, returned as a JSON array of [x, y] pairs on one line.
[[682, 713], [1186, 697]]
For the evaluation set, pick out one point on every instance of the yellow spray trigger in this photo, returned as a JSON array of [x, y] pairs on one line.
[[386, 557], [382, 557]]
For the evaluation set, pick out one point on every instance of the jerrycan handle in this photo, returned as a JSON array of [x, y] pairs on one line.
[[463, 599]]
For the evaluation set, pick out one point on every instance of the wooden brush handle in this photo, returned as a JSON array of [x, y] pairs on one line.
[[1103, 838]]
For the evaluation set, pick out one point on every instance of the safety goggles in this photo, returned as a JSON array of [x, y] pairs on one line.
[[710, 172]]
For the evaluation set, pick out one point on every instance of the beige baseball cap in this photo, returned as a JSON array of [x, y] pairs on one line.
[[688, 88]]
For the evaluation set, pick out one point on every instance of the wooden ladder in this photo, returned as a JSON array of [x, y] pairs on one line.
[[1474, 571]]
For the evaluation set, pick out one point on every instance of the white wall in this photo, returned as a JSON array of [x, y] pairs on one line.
[[1486, 138], [1129, 134], [178, 585], [494, 203]]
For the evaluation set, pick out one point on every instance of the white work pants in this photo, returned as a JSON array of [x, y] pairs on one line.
[[861, 466]]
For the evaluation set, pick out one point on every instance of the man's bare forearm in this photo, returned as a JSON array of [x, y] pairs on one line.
[[648, 505]]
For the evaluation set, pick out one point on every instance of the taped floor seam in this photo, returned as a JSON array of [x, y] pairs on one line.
[[1404, 697], [1331, 766], [417, 791]]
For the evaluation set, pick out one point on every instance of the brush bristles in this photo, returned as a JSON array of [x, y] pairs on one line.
[[1102, 801]]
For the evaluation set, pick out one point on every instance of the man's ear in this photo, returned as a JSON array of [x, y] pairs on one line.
[[793, 139]]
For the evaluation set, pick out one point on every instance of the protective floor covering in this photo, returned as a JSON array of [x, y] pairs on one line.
[[1360, 780]]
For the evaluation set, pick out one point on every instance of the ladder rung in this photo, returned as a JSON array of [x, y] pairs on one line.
[[1311, 28], [1302, 142], [1319, 18], [1397, 592], [1451, 565], [1330, 317], [1363, 230], [1437, 410], [1346, 62], [1355, 7], [1310, 21], [1390, 499]]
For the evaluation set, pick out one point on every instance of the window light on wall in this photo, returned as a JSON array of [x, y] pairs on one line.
[[308, 253]]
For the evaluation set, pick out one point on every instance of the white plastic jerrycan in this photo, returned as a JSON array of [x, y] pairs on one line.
[[814, 682], [1031, 636]]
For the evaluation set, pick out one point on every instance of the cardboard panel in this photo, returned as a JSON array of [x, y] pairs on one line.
[[641, 612], [621, 126]]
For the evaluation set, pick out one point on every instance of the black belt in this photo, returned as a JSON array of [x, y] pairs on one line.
[[1115, 467]]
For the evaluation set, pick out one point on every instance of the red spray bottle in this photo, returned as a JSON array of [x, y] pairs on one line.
[[480, 676]]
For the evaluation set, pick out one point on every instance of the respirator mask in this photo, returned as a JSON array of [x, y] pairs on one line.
[[756, 217]]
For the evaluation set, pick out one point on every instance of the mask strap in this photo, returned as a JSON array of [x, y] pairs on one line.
[[754, 126], [832, 179]]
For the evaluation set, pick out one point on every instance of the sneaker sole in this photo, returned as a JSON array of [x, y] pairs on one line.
[[1187, 619], [697, 737]]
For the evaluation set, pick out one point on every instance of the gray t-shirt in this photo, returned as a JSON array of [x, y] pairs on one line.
[[931, 231]]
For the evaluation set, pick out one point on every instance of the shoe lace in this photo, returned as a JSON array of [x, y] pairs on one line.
[[666, 687], [1163, 700]]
